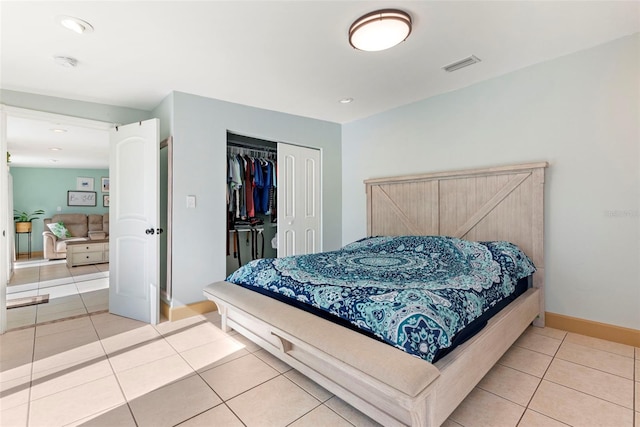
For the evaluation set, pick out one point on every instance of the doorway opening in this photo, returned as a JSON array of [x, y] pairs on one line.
[[51, 156]]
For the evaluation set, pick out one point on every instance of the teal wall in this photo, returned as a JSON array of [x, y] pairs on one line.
[[46, 188]]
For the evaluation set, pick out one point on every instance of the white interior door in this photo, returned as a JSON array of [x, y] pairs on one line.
[[299, 201], [134, 221]]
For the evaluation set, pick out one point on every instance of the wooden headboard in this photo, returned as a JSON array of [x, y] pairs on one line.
[[498, 203]]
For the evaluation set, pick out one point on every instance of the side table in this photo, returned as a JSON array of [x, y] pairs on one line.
[[18, 233]]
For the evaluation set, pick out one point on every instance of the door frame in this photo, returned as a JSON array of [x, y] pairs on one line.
[[6, 222], [166, 294]]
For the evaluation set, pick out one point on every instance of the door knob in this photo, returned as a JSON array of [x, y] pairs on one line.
[[159, 230], [150, 231]]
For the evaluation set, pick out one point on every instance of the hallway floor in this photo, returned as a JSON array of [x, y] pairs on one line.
[[72, 291]]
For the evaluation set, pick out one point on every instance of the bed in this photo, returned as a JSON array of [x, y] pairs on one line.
[[393, 386]]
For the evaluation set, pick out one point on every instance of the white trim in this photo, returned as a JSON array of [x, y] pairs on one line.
[[70, 120]]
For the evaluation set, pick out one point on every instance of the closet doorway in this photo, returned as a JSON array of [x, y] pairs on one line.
[[278, 212]]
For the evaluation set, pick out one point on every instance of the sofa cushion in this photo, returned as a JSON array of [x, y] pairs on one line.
[[75, 223], [97, 235], [59, 230], [99, 223]]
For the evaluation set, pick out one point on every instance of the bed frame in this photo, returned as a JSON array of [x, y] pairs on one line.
[[389, 385]]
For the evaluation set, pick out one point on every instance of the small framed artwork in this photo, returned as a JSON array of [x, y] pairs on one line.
[[105, 184], [81, 198], [84, 183], [105, 200]]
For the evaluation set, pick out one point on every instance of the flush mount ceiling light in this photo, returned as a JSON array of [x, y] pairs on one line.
[[346, 100], [380, 30], [65, 61], [74, 24]]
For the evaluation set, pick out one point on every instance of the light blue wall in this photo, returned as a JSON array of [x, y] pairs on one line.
[[46, 188], [199, 126], [164, 112], [200, 139], [580, 113]]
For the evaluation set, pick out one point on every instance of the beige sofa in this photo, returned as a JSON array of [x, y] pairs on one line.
[[80, 226]]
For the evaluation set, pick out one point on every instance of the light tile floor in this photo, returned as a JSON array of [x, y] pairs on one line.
[[105, 370], [72, 291], [100, 369]]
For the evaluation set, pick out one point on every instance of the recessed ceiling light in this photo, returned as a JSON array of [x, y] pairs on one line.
[[76, 25], [58, 130], [53, 160], [65, 61], [55, 149], [346, 100]]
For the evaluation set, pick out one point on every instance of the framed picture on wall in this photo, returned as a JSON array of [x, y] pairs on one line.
[[81, 198], [105, 200], [84, 183], [105, 184]]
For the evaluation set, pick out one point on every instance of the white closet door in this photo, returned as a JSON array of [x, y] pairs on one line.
[[299, 201]]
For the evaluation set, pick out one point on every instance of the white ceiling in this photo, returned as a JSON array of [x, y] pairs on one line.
[[288, 56], [55, 143]]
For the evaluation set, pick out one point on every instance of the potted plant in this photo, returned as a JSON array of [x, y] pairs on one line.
[[23, 219]]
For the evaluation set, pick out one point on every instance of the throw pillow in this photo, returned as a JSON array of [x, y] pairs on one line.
[[59, 230]]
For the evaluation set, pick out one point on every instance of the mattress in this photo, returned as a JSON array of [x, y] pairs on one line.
[[421, 294]]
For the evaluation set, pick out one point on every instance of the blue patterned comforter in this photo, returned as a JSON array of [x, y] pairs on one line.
[[413, 292]]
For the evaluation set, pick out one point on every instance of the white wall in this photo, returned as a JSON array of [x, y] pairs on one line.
[[199, 153], [581, 114]]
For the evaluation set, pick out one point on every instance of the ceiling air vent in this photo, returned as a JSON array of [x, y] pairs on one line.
[[461, 64]]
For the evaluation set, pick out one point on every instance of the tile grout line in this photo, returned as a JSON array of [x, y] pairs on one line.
[[591, 395], [280, 374], [597, 369], [33, 356], [540, 382], [124, 396], [587, 348], [586, 366], [223, 402]]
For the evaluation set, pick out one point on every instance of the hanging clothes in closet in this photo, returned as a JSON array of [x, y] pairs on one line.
[[251, 196], [251, 183]]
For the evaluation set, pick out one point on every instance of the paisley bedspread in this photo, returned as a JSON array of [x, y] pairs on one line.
[[413, 292]]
